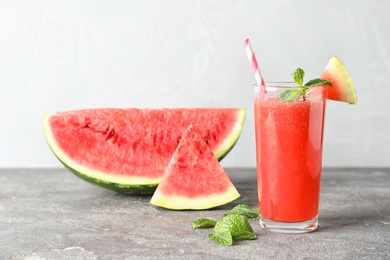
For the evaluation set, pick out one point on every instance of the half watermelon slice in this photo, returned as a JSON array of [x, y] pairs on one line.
[[194, 179], [127, 150]]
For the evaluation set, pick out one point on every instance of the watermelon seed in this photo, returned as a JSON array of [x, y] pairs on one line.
[[210, 136], [87, 122], [109, 133], [154, 139]]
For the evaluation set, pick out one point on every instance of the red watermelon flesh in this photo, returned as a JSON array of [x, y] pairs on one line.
[[194, 179], [126, 149]]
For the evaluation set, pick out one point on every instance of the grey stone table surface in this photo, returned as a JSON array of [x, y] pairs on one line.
[[52, 214]]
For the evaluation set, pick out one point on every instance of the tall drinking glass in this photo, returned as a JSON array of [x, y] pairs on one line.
[[289, 137]]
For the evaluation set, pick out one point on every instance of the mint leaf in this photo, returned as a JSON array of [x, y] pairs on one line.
[[223, 238], [203, 223], [292, 95], [237, 225], [234, 226], [245, 210], [298, 76], [317, 82]]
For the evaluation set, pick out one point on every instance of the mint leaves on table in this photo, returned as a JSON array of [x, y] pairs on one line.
[[292, 95], [203, 223], [223, 238], [245, 210], [230, 228], [234, 226]]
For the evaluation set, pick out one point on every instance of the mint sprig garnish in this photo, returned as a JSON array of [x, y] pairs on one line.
[[298, 76], [234, 226], [292, 95]]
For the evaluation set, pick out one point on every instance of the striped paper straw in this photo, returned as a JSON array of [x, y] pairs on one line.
[[252, 59]]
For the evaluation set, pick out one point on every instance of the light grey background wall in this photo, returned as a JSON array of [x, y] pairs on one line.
[[63, 55]]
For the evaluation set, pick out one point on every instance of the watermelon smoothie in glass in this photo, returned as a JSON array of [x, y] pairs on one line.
[[289, 137]]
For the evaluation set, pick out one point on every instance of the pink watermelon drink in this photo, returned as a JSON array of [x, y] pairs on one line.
[[289, 138], [289, 125]]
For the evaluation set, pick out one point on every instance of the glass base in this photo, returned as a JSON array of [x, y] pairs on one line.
[[289, 227]]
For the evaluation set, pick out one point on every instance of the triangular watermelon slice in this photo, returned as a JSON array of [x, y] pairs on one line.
[[127, 150], [342, 87], [194, 179]]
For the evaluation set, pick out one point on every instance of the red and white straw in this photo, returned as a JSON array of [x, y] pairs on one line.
[[252, 59]]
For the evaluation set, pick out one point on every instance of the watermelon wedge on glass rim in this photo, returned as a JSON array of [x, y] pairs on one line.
[[342, 87], [127, 150]]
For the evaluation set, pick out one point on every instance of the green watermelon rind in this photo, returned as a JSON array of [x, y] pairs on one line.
[[114, 186], [199, 203], [129, 185], [125, 185], [232, 139]]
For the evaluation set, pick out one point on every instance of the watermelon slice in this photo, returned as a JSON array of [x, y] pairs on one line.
[[194, 179], [342, 87], [127, 150]]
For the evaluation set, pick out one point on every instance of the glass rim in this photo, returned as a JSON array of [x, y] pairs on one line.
[[284, 84]]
